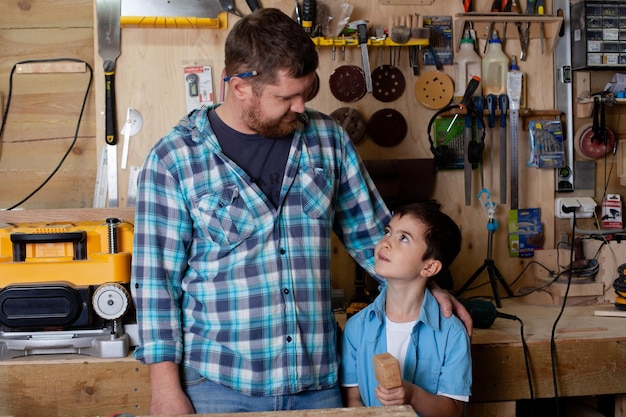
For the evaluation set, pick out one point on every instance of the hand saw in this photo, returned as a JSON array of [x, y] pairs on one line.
[[108, 14]]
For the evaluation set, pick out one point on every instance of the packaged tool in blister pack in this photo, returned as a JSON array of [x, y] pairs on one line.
[[64, 288]]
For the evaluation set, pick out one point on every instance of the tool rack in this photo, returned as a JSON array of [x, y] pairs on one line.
[[353, 41], [481, 21]]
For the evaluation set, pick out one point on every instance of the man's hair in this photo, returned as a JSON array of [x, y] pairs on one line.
[[267, 41], [442, 235]]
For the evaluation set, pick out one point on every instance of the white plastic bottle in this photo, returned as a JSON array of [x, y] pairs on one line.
[[466, 65], [495, 65], [522, 79]]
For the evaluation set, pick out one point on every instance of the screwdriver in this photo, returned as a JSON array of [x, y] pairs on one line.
[[308, 15], [541, 11]]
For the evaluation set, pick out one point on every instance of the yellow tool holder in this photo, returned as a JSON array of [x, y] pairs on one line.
[[353, 41], [175, 22]]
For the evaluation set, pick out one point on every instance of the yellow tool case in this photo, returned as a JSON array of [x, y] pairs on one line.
[[64, 288]]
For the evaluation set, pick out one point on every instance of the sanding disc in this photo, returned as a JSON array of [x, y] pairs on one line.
[[387, 127], [347, 83], [351, 120], [589, 148], [434, 90], [388, 82]]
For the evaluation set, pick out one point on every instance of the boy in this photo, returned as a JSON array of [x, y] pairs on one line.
[[405, 320]]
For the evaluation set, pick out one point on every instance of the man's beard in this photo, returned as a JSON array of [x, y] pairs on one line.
[[275, 128]]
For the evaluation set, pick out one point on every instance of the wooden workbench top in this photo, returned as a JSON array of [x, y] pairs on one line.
[[576, 322], [391, 411], [590, 353]]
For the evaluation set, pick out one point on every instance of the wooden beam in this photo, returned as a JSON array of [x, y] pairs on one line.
[[51, 67]]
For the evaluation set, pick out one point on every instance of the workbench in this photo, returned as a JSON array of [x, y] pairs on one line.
[[590, 352]]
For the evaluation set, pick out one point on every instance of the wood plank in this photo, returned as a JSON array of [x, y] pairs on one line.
[[390, 411], [73, 385], [46, 13], [60, 215], [51, 67], [28, 164]]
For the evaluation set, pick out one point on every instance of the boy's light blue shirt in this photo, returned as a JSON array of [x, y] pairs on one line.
[[438, 358]]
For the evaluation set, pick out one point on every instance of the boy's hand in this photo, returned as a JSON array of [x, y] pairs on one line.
[[393, 396]]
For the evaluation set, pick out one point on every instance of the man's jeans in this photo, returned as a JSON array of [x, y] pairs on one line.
[[209, 398]]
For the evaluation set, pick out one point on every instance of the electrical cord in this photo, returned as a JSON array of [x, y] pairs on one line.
[[556, 321], [80, 116]]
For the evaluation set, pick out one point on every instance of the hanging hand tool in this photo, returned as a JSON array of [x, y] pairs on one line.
[[506, 7], [514, 93], [308, 15], [361, 29], [503, 104], [541, 12], [491, 104], [530, 9], [108, 14], [253, 5], [515, 8], [479, 107], [229, 7], [465, 103]]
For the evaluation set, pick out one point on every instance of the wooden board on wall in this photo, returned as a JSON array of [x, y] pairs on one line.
[[45, 108], [149, 77]]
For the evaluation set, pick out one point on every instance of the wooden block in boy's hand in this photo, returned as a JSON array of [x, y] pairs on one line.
[[387, 370]]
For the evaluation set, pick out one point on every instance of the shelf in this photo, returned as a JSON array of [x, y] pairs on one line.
[[481, 21], [352, 41]]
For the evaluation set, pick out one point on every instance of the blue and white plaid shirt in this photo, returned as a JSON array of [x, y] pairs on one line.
[[238, 289]]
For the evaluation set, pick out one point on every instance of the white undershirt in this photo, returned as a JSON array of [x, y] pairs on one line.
[[398, 339]]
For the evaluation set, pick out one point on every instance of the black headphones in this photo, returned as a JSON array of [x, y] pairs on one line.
[[441, 153]]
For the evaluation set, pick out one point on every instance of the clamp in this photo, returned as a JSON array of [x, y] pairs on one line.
[[484, 196]]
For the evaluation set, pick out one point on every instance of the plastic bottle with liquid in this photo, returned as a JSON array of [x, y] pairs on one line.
[[467, 63], [515, 70], [495, 65]]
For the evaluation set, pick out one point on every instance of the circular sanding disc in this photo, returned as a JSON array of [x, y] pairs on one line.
[[351, 120], [434, 90], [388, 82], [387, 127], [347, 83]]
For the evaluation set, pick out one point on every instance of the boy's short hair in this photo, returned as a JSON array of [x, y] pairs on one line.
[[442, 234]]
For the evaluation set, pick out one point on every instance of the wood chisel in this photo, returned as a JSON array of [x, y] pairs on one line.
[[514, 92], [503, 104], [361, 29]]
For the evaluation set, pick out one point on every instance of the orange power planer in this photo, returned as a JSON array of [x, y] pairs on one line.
[[64, 288]]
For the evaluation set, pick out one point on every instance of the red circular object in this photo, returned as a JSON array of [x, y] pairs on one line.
[[347, 83], [590, 147], [351, 120], [388, 82], [387, 127]]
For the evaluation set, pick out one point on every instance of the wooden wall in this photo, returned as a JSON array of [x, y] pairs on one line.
[[149, 77]]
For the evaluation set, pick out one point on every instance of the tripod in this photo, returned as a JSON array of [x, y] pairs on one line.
[[489, 264]]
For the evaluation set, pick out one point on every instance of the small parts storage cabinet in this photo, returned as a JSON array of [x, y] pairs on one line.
[[64, 288], [598, 34]]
